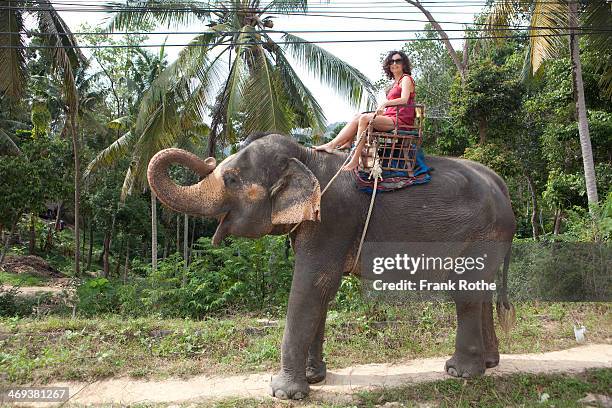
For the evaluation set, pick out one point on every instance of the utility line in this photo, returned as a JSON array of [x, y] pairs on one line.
[[308, 14], [226, 32], [276, 10], [276, 42]]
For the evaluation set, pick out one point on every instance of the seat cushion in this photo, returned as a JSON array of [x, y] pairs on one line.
[[406, 132]]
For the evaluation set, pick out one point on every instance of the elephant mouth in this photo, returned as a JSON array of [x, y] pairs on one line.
[[221, 231]]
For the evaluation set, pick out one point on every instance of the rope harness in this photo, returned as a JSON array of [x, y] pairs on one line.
[[376, 173]]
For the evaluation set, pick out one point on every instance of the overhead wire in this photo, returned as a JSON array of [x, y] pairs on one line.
[[276, 42]]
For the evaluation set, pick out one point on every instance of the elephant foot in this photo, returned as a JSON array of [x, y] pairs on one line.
[[284, 387], [491, 359], [316, 371], [465, 365]]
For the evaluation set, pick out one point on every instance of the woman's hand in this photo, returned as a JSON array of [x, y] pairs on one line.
[[381, 109]]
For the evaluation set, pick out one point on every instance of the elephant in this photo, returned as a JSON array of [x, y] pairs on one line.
[[272, 183]]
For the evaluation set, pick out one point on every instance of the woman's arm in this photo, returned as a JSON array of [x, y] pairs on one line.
[[407, 89]]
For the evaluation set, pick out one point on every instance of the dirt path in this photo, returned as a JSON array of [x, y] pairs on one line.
[[33, 290], [339, 385]]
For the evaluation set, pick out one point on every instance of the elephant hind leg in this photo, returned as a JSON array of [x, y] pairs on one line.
[[468, 359], [491, 349]]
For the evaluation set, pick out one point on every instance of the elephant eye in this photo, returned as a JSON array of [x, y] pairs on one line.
[[230, 179]]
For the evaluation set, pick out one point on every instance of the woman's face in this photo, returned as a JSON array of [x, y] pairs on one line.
[[396, 65]]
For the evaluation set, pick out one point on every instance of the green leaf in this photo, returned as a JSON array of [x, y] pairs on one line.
[[263, 107], [13, 68], [121, 123], [332, 71]]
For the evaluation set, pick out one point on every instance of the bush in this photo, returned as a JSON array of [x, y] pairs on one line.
[[245, 275], [97, 296]]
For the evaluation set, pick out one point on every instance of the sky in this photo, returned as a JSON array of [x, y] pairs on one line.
[[364, 56]]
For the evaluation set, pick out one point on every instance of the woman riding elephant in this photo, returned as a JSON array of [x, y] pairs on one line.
[[401, 92]]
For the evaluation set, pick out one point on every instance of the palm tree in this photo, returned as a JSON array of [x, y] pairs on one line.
[[548, 20], [233, 73], [65, 57]]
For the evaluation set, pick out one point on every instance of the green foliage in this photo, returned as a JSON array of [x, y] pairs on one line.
[[488, 100], [31, 179], [495, 156], [244, 275], [97, 296]]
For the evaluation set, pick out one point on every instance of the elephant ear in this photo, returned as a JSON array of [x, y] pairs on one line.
[[296, 196]]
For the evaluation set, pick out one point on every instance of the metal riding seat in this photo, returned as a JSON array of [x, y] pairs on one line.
[[394, 150]]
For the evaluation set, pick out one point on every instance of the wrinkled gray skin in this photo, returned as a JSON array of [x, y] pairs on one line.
[[272, 183]]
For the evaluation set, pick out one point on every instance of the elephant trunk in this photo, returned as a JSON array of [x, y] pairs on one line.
[[202, 199]]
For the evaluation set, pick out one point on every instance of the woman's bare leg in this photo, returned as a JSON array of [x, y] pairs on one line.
[[382, 123], [344, 136]]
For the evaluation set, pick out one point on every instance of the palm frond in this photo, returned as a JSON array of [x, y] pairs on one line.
[[499, 17], [65, 55], [310, 113], [287, 6], [171, 13], [544, 41], [332, 71], [109, 156], [230, 105], [263, 107], [124, 122], [13, 67], [598, 16], [7, 146], [191, 63], [128, 183]]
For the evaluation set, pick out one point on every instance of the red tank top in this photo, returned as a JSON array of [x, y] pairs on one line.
[[406, 114]]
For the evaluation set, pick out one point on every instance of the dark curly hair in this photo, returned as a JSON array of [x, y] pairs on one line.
[[405, 62]]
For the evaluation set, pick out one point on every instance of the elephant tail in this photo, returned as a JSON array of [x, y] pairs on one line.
[[506, 315]]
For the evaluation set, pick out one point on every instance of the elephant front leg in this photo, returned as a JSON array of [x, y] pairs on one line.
[[316, 369], [310, 294], [468, 359]]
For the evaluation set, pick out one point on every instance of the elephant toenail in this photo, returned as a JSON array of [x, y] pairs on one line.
[[465, 375], [280, 394], [299, 395], [452, 372]]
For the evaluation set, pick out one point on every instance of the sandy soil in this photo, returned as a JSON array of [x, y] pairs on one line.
[[339, 385]]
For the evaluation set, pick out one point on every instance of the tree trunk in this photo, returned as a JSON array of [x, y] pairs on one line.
[[482, 131], [178, 234], [534, 207], [83, 246], [185, 247], [186, 239], [91, 237], [193, 225], [77, 197], [449, 47], [7, 240], [153, 231], [58, 212], [118, 264], [583, 124], [32, 244], [105, 251], [127, 262], [558, 216]]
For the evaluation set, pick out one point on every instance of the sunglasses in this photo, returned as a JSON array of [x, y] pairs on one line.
[[396, 61]]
